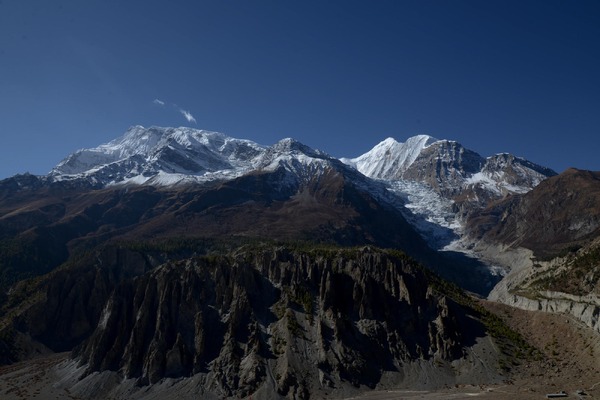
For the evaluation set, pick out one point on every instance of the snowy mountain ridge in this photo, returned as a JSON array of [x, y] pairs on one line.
[[435, 183], [161, 156], [448, 167], [165, 156], [173, 156], [389, 157], [441, 182]]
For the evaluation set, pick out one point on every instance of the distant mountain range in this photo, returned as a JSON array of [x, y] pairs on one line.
[[439, 181], [168, 156]]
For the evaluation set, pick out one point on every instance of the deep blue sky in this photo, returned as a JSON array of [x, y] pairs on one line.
[[498, 76]]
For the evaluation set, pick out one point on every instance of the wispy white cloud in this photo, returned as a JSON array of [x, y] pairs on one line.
[[187, 115]]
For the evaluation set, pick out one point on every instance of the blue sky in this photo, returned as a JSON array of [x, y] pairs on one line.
[[498, 76]]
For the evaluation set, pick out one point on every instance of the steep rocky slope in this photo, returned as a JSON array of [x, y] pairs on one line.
[[562, 212], [263, 321], [461, 179], [450, 169], [442, 183], [146, 258]]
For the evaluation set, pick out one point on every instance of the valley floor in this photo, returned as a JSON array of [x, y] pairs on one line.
[[571, 362]]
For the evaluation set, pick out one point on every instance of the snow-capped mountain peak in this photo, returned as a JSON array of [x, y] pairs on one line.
[[161, 156], [504, 173], [441, 181], [167, 156], [294, 146], [295, 157], [136, 140], [390, 157]]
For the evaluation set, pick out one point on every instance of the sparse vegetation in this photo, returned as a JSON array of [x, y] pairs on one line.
[[510, 342], [279, 344], [572, 278], [304, 297], [292, 324], [8, 348], [567, 251]]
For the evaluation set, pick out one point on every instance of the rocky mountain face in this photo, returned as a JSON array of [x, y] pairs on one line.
[[45, 224], [442, 183], [453, 181], [454, 172], [236, 319], [292, 192], [170, 156], [260, 320], [562, 212]]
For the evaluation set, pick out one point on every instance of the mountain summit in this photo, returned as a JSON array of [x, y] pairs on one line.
[[161, 156], [442, 182], [167, 156], [448, 167], [390, 158]]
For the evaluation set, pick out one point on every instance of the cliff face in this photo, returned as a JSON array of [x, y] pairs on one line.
[[276, 318], [584, 308], [444, 166], [62, 309]]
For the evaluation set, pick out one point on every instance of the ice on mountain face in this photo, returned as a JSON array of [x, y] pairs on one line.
[[83, 160], [174, 156], [427, 209], [301, 161], [449, 168], [431, 214], [505, 174], [495, 184], [438, 179], [390, 158], [137, 140], [161, 156]]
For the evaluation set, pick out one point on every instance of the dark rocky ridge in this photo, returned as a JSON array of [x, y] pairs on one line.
[[512, 171], [444, 166], [561, 212], [291, 321]]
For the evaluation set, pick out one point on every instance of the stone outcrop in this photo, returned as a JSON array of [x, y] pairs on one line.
[[584, 308], [277, 319]]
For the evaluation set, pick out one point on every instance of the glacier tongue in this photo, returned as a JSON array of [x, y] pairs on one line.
[[430, 213], [442, 183]]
